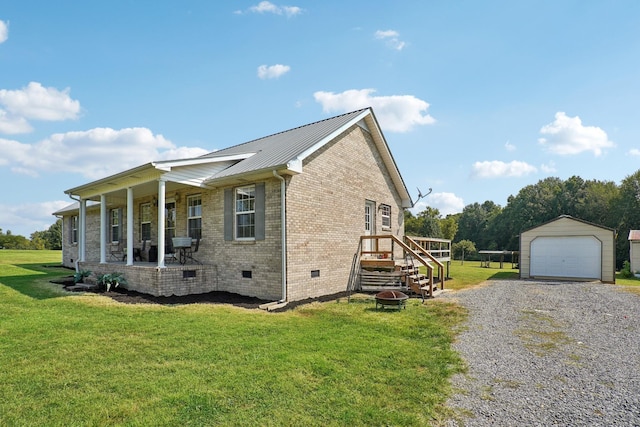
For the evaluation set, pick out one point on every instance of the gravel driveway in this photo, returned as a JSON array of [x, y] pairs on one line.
[[548, 353]]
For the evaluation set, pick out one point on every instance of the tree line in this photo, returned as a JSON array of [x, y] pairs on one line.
[[47, 239], [489, 226]]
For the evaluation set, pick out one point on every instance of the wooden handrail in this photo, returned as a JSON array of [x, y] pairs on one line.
[[409, 246], [426, 251], [432, 258]]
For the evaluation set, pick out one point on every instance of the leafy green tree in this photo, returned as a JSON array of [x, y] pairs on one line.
[[463, 248], [11, 241], [626, 210], [48, 239], [475, 221], [425, 224], [449, 227]]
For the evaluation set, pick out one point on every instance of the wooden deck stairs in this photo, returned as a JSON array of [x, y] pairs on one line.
[[417, 282], [375, 270]]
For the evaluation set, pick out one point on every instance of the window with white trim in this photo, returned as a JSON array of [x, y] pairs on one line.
[[170, 219], [74, 229], [245, 203], [194, 216], [385, 214], [145, 221], [115, 225]]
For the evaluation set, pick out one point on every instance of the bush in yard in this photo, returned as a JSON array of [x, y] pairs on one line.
[[111, 279], [78, 276], [626, 270]]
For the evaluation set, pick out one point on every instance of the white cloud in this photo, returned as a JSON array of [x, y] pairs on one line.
[[549, 167], [34, 102], [396, 113], [380, 34], [10, 124], [24, 219], [268, 7], [634, 152], [40, 103], [566, 135], [4, 31], [446, 203], [272, 71], [94, 153], [499, 169], [509, 146], [391, 37]]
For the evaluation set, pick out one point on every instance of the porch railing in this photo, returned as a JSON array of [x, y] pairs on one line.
[[382, 249]]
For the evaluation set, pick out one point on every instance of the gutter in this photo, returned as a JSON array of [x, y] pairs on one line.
[[283, 230], [79, 248], [274, 305]]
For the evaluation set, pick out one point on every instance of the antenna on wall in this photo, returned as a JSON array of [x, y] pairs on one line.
[[420, 195]]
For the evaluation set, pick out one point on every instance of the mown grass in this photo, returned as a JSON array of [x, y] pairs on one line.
[[470, 273], [70, 359], [631, 284]]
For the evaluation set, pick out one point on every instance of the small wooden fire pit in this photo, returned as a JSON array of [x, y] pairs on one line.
[[395, 299]]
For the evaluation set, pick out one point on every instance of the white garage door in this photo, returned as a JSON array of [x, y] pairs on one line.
[[571, 257]]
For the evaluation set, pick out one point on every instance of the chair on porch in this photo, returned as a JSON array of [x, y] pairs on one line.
[[191, 250], [138, 253], [169, 252], [116, 251]]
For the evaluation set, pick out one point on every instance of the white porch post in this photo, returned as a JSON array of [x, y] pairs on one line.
[[103, 229], [161, 220], [82, 238], [129, 226]]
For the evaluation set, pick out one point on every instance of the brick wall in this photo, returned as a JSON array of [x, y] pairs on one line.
[[325, 212]]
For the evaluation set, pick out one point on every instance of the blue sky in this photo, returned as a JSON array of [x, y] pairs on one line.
[[476, 99]]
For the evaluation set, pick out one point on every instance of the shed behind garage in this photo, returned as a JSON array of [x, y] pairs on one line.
[[568, 248], [634, 250]]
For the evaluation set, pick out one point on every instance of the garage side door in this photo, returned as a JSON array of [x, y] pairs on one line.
[[570, 257]]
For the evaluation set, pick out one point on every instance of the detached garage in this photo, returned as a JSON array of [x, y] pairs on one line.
[[568, 248]]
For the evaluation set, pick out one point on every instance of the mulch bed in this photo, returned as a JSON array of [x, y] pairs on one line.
[[217, 297]]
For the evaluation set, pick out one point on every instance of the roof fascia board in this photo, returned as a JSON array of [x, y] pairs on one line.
[[128, 174], [387, 156], [152, 170], [374, 129], [571, 218], [168, 164], [330, 137]]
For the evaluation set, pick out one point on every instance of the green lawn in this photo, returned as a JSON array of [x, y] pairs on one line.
[[470, 273], [629, 285], [70, 359]]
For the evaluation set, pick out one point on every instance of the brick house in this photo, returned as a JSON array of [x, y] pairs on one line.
[[278, 218]]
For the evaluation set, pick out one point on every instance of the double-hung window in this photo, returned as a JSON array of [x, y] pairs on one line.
[[115, 225], [245, 199], [385, 213], [194, 216], [74, 229], [145, 221]]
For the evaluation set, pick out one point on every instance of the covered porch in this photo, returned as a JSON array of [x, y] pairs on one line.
[[172, 279]]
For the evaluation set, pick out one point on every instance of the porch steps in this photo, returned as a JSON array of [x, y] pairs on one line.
[[418, 283]]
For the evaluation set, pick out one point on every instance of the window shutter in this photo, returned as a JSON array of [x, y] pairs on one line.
[[70, 232], [260, 211], [228, 214]]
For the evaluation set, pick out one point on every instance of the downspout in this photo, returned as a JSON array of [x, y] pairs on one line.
[[283, 230], [78, 257]]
